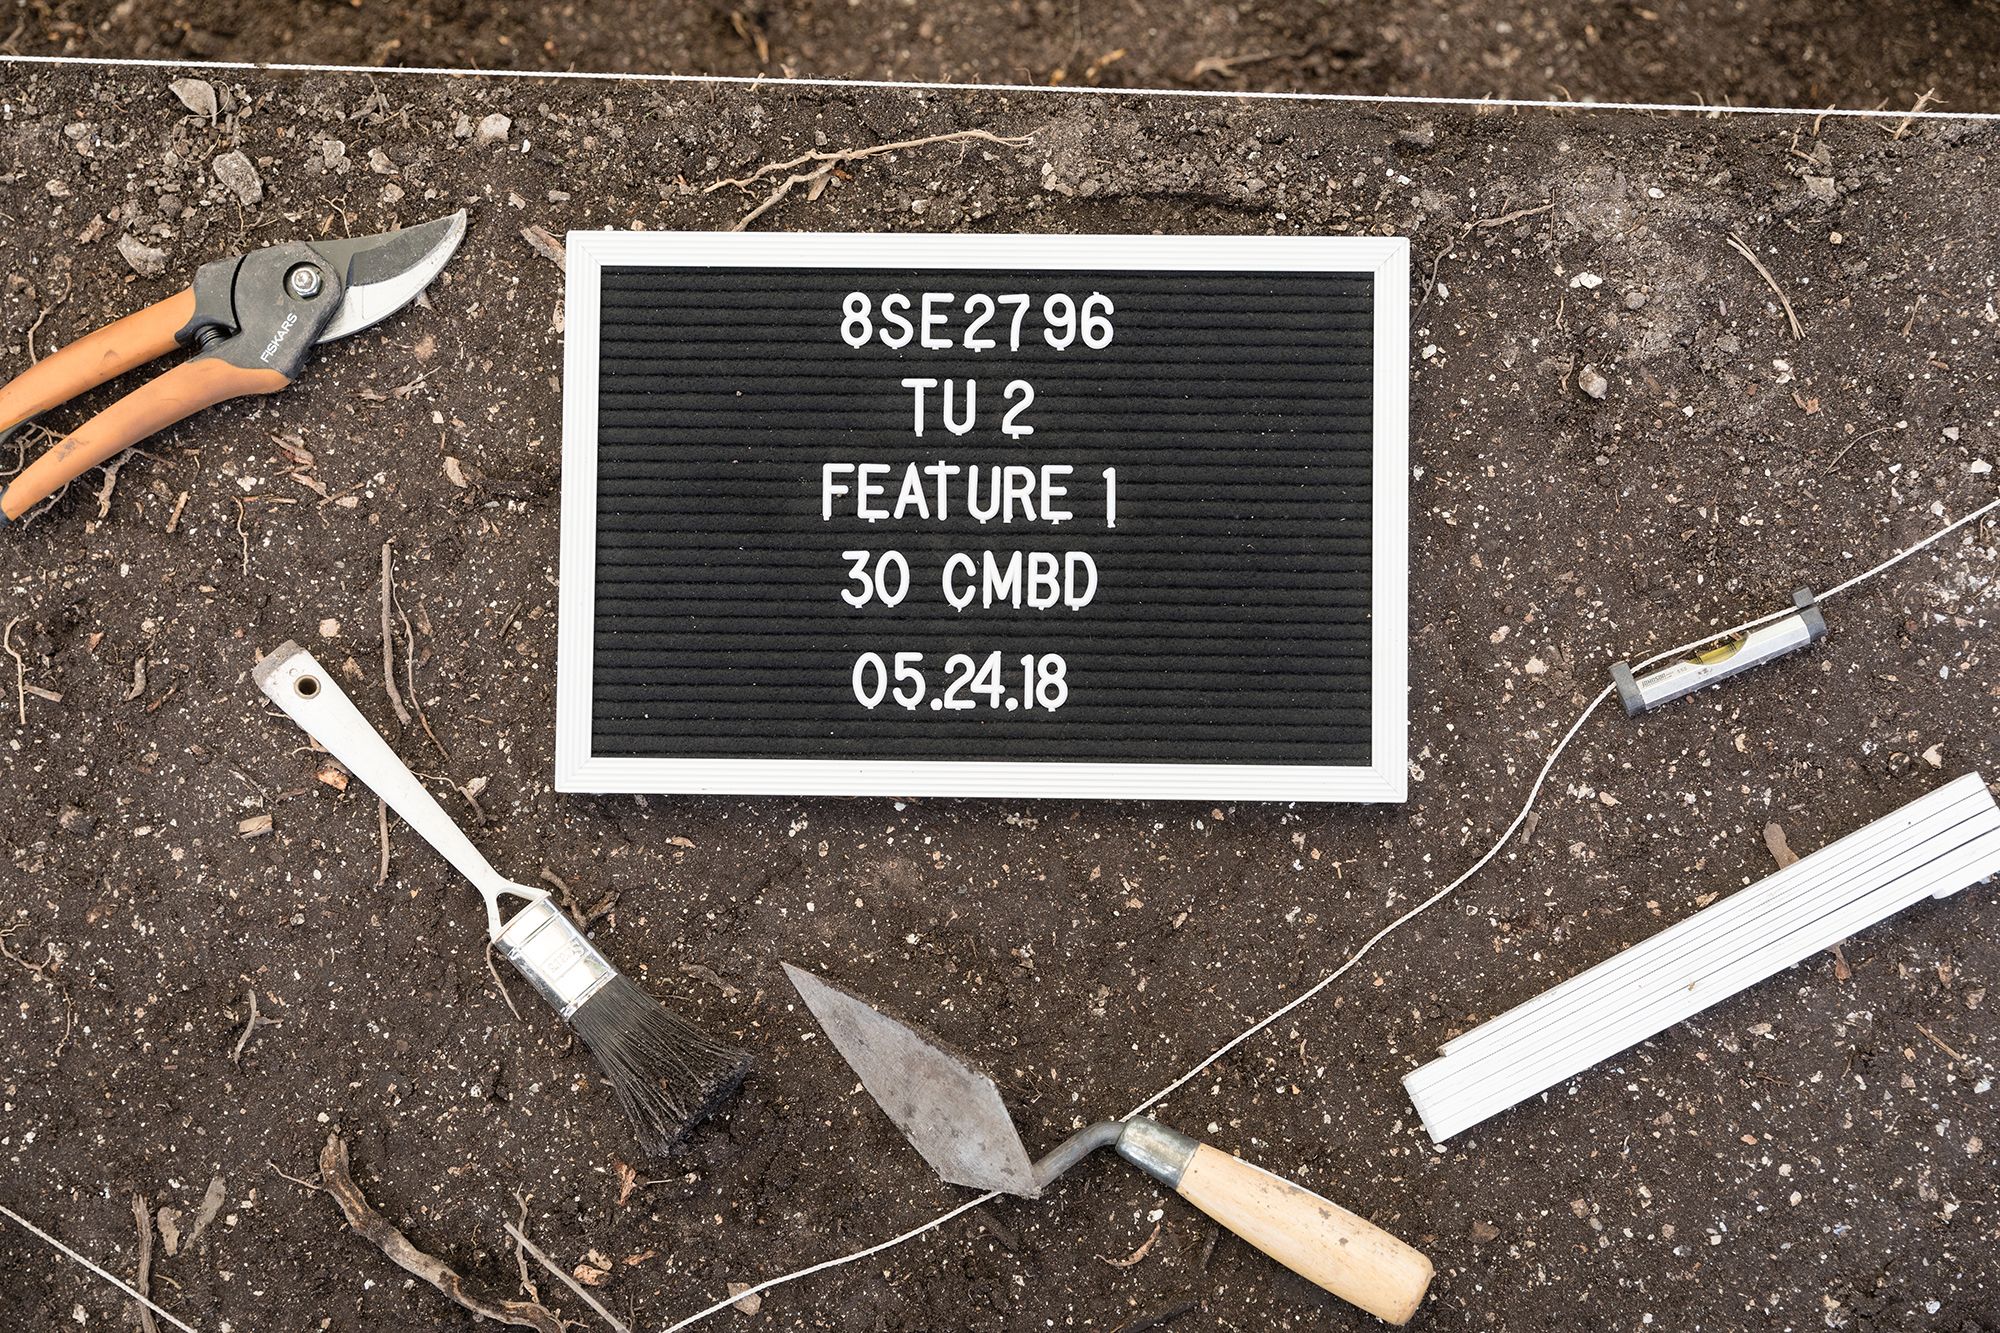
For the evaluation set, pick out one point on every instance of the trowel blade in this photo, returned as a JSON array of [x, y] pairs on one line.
[[950, 1112]]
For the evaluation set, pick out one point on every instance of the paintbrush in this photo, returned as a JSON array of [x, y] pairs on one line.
[[666, 1073]]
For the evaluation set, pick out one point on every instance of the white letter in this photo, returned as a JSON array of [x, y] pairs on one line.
[[867, 488], [942, 471], [1077, 601], [919, 385], [1052, 491], [828, 488], [958, 602], [912, 493], [892, 305], [972, 493], [971, 407], [934, 319], [1005, 587], [1042, 569], [1021, 487]]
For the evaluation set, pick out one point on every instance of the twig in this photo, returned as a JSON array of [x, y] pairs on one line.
[[1841, 453], [1798, 334], [380, 1232], [410, 674], [1903, 125], [243, 533], [143, 1274], [255, 1021], [283, 1174], [69, 284], [1939, 1042], [613, 1320], [382, 838], [828, 162], [1145, 1248], [111, 471], [389, 640], [119, 1283], [20, 669], [41, 969], [498, 984], [1430, 284], [521, 1259], [1514, 216]]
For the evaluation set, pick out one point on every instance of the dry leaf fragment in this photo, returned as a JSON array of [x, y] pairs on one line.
[[546, 245], [1781, 851], [333, 775], [211, 1204], [256, 826], [708, 974], [454, 472], [678, 841], [594, 1271], [170, 1230], [198, 96]]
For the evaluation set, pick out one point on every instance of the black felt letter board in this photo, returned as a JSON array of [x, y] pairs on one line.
[[1092, 526]]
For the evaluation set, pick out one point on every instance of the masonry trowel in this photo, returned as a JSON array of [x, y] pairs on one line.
[[952, 1114]]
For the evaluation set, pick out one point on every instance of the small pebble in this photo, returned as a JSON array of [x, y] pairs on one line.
[[1591, 380], [234, 170], [329, 628], [146, 260], [492, 130]]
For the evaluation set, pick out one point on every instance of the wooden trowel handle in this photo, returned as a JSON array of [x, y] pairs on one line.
[[1319, 1240]]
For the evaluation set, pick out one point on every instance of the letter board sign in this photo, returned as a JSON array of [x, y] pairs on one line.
[[1086, 516]]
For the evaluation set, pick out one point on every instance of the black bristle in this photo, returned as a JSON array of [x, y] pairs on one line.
[[668, 1075]]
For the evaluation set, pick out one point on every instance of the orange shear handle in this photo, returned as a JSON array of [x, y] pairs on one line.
[[180, 393], [89, 361]]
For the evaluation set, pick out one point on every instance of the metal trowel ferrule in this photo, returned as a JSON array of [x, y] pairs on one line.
[[546, 947]]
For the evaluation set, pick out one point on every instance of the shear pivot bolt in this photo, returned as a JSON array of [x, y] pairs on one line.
[[304, 282]]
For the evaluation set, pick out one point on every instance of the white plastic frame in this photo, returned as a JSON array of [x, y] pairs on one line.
[[1384, 778]]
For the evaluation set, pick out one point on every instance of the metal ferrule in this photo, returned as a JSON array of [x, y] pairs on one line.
[[1160, 1152], [546, 947]]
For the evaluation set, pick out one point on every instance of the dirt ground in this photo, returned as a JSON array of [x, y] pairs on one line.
[[1855, 53], [1815, 1153]]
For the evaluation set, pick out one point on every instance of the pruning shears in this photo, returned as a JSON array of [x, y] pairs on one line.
[[252, 321]]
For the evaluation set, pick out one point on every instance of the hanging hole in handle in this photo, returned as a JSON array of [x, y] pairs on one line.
[[307, 686]]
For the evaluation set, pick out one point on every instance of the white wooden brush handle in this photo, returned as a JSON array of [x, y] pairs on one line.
[[1319, 1240], [292, 679]]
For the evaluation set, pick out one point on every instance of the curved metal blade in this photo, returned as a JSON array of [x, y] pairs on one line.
[[386, 272], [950, 1112]]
